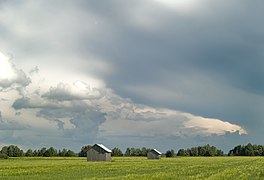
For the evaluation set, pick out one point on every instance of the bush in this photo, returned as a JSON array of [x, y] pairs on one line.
[[3, 156]]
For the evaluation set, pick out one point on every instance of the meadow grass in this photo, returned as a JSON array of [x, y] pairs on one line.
[[133, 168]]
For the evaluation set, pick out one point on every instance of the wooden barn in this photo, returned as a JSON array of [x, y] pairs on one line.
[[99, 152], [154, 154]]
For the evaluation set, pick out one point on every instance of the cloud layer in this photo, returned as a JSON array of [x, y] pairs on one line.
[[79, 113]]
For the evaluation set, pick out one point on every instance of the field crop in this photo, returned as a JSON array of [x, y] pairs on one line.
[[133, 168]]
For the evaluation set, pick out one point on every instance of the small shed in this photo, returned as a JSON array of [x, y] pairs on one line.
[[154, 154], [99, 152]]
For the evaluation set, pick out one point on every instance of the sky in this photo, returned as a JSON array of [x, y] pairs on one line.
[[164, 74]]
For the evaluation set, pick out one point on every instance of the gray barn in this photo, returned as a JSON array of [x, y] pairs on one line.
[[154, 154], [99, 152]]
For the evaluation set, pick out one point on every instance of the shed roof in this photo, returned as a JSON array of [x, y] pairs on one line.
[[156, 151], [103, 148]]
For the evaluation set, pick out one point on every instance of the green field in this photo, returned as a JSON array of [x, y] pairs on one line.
[[134, 168]]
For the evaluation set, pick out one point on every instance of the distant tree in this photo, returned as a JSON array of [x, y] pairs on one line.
[[170, 153], [194, 151], [187, 152], [231, 153], [29, 153], [210, 150], [206, 150], [35, 153], [133, 152], [256, 150], [70, 153], [183, 152], [137, 151], [116, 152], [219, 152], [84, 149], [59, 153], [128, 152], [260, 150], [50, 152], [42, 151], [4, 150], [248, 150], [62, 152], [12, 151], [202, 151], [239, 150], [144, 151], [17, 152]]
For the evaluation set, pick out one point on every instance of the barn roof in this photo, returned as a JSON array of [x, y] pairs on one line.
[[156, 151], [104, 148]]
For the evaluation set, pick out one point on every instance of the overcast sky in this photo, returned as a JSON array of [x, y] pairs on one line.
[[155, 73]]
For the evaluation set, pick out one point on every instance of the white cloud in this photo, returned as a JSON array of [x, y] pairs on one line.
[[77, 90], [147, 121], [10, 76], [209, 126], [6, 69]]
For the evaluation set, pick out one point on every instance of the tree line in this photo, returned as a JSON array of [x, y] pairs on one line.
[[248, 150], [14, 151], [207, 150]]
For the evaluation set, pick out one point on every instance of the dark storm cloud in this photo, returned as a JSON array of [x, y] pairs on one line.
[[220, 42]]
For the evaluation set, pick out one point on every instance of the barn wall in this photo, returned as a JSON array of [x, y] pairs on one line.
[[151, 155], [108, 157], [93, 155]]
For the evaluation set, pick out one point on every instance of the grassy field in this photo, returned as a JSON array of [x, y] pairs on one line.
[[134, 168]]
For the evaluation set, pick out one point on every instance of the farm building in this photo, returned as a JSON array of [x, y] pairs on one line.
[[154, 154], [99, 152]]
